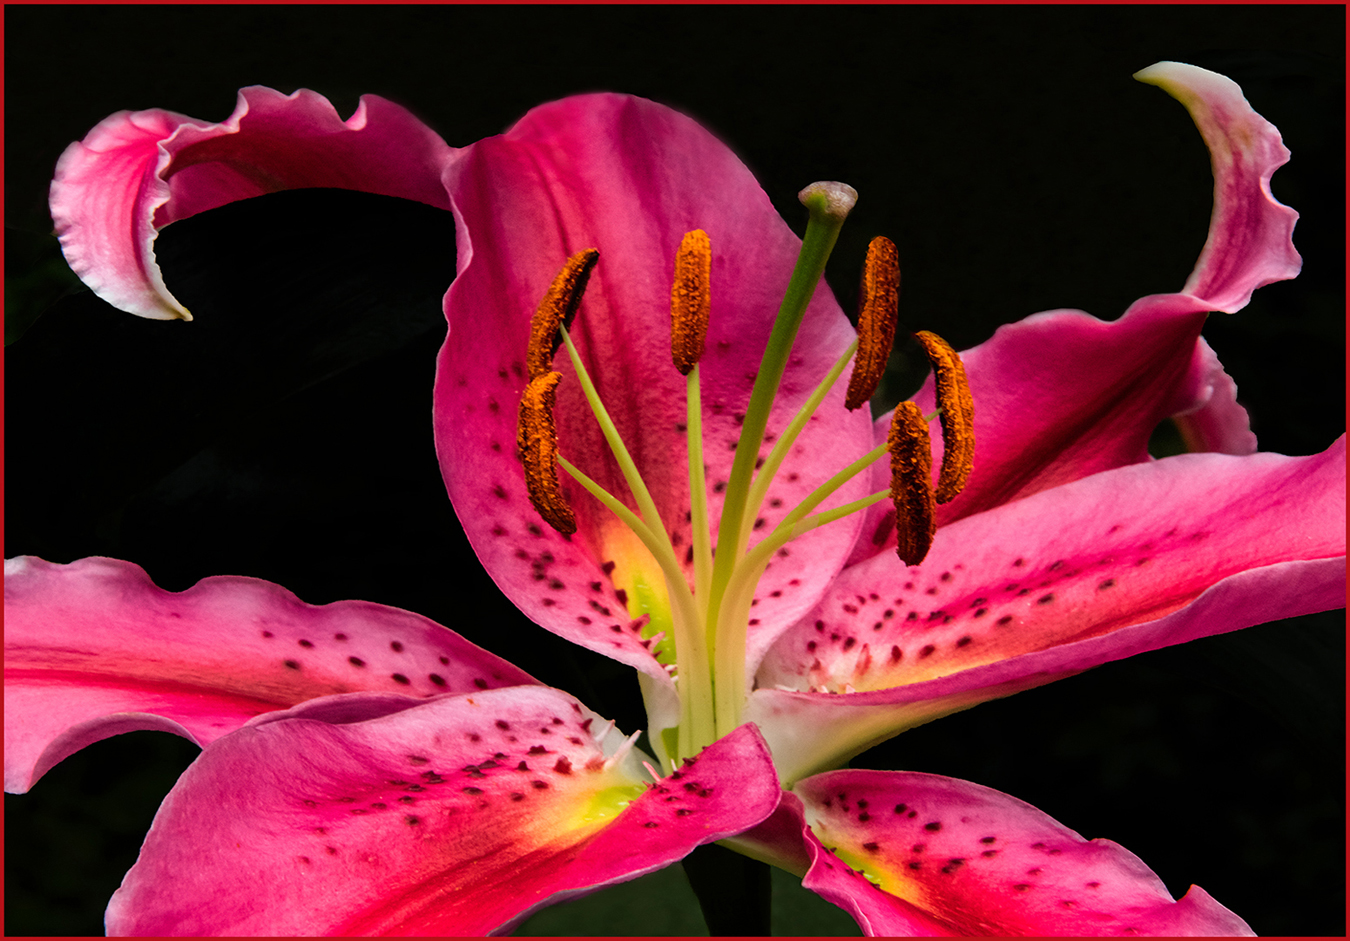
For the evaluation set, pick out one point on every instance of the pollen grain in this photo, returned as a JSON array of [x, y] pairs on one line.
[[957, 414], [690, 300], [557, 308], [877, 312]]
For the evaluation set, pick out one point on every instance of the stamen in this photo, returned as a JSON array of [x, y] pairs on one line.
[[690, 300], [912, 483], [557, 309], [877, 313], [537, 439], [957, 413]]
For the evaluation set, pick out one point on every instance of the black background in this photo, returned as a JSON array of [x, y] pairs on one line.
[[285, 433]]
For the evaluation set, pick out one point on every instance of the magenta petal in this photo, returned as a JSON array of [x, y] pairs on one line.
[[628, 177], [136, 172], [93, 649], [954, 858], [460, 816], [1219, 423], [1131, 560], [1249, 232]]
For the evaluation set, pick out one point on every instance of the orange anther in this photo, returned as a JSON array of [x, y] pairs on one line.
[[537, 441], [877, 310], [556, 309], [957, 414], [912, 483], [690, 298]]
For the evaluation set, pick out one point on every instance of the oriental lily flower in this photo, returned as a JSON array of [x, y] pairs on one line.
[[826, 621]]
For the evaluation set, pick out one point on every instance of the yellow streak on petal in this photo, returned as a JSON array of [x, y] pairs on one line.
[[639, 576], [609, 803]]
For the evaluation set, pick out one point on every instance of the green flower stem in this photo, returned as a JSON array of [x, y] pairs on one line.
[[822, 231]]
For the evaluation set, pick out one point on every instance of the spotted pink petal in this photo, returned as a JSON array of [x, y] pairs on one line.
[[914, 854], [1119, 563], [459, 816], [628, 177], [93, 649], [138, 171]]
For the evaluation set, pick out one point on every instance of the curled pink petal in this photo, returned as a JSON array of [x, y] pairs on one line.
[[923, 855], [1249, 242], [138, 171], [93, 649], [459, 816]]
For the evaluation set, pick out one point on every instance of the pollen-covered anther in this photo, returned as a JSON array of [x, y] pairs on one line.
[[557, 309], [957, 414], [537, 439], [877, 311], [912, 483], [690, 300]]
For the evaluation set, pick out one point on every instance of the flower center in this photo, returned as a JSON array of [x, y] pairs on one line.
[[699, 630]]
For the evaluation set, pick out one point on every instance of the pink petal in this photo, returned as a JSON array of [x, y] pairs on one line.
[[1219, 423], [1249, 232], [459, 816], [138, 171], [956, 859], [93, 649], [628, 177], [1131, 560]]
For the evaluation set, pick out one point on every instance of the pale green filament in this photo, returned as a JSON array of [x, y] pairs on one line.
[[691, 656], [698, 491]]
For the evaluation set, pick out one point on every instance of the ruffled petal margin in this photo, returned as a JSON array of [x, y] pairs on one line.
[[138, 171], [94, 649]]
